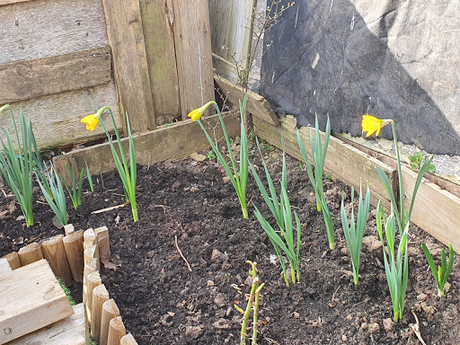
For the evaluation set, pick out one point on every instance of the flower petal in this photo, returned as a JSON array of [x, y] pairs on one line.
[[91, 121]]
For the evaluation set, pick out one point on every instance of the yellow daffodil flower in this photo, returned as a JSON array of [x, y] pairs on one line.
[[197, 113], [91, 121], [372, 125]]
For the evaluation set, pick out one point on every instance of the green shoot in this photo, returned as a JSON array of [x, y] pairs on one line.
[[56, 200], [396, 262], [17, 169], [443, 271], [89, 176], [318, 153], [253, 299], [417, 159], [75, 189], [284, 240], [238, 178], [403, 216], [127, 172], [354, 232]]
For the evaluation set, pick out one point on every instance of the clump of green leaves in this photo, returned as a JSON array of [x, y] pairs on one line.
[[56, 200], [396, 261], [354, 232], [416, 161], [283, 240], [17, 168], [442, 273], [66, 291], [316, 173], [253, 304], [211, 155], [75, 188]]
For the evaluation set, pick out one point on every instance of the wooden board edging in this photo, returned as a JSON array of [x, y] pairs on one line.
[[177, 141]]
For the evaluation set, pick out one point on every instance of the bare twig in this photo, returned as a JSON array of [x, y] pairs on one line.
[[181, 255], [416, 329], [110, 208]]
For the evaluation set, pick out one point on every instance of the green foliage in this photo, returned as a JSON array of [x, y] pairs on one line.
[[238, 178], [56, 200], [126, 171], [90, 177], [354, 232], [402, 215], [211, 155], [396, 262], [318, 153], [443, 271], [416, 161], [67, 292], [280, 207], [17, 169], [75, 189]]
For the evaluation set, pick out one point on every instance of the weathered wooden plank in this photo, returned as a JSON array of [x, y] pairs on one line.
[[24, 80], [38, 302], [5, 266], [56, 118], [40, 29], [157, 21], [192, 40], [162, 144], [10, 2], [435, 210], [70, 330], [342, 161], [230, 35], [257, 105], [126, 38]]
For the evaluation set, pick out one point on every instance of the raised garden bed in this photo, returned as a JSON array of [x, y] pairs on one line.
[[162, 301]]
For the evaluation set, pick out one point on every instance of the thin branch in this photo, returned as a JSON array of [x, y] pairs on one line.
[[181, 255]]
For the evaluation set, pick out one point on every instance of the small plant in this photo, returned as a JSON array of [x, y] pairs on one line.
[[127, 172], [354, 232], [318, 153], [90, 177], [238, 178], [56, 200], [396, 262], [281, 210], [417, 159], [75, 189], [66, 291], [211, 155], [17, 168], [372, 125], [253, 304], [443, 271]]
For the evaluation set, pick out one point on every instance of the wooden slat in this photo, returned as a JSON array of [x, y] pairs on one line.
[[165, 143], [38, 302], [56, 118], [39, 29], [126, 38], [435, 210], [230, 35], [157, 21], [10, 2], [5, 266], [70, 330], [192, 40], [257, 105], [24, 80], [342, 161]]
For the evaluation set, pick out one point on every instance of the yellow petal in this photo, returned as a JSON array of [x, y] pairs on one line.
[[197, 113], [91, 121], [372, 125]]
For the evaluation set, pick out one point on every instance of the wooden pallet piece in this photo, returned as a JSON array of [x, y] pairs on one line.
[[5, 266], [13, 260], [39, 301], [70, 330]]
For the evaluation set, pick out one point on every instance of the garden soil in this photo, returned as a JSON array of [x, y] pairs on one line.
[[188, 297]]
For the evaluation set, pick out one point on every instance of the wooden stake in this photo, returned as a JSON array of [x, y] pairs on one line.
[[128, 339], [13, 260], [54, 251], [100, 296], [109, 311], [116, 331], [90, 266], [94, 280], [89, 238], [73, 244], [103, 243], [68, 229], [91, 252], [30, 253]]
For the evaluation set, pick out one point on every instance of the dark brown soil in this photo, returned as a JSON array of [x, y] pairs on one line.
[[162, 302]]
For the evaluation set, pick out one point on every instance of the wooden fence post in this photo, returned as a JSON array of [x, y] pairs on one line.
[[126, 38]]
